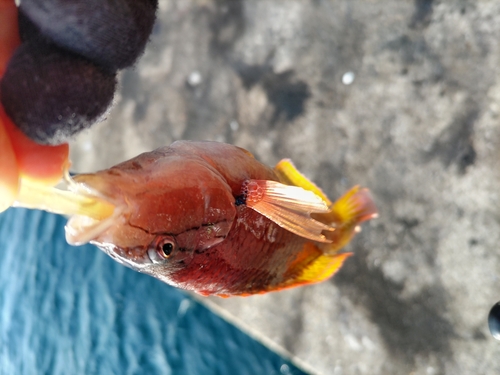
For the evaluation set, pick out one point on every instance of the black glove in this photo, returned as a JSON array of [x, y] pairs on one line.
[[62, 79]]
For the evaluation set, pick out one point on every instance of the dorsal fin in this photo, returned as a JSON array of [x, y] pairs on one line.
[[288, 206]]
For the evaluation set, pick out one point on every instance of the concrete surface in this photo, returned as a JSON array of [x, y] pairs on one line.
[[418, 125]]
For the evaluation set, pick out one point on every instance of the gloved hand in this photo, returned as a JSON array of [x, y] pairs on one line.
[[58, 65]]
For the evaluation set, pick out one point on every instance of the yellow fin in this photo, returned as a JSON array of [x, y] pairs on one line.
[[289, 175], [312, 266], [288, 206], [355, 206], [346, 214], [323, 268]]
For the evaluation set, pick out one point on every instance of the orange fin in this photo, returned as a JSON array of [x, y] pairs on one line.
[[288, 206], [289, 175]]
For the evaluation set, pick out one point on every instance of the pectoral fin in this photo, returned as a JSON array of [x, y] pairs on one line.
[[288, 206]]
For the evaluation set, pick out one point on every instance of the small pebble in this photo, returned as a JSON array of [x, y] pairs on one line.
[[348, 78], [194, 79], [234, 125]]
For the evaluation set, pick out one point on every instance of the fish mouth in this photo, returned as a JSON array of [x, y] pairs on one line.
[[82, 229]]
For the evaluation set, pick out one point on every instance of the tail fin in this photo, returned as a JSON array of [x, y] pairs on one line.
[[355, 206], [346, 214]]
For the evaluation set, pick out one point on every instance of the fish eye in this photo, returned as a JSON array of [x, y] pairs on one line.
[[166, 249], [161, 250]]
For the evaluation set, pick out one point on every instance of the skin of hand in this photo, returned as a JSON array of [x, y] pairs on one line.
[[20, 157]]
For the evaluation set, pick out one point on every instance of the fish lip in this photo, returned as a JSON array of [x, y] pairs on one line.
[[116, 254]]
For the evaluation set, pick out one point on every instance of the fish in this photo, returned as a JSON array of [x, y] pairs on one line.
[[208, 217]]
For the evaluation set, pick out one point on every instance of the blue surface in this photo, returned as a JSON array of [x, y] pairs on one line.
[[72, 310]]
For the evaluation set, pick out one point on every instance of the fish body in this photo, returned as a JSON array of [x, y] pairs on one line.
[[208, 217]]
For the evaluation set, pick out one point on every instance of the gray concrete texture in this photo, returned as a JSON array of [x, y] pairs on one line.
[[418, 125]]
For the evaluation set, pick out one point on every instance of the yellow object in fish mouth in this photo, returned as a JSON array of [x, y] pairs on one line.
[[75, 200]]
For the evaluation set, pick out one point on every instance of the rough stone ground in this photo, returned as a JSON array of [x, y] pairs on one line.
[[419, 126]]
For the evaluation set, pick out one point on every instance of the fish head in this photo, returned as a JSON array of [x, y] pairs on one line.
[[168, 208]]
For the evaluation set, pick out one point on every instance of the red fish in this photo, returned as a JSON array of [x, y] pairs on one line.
[[208, 217]]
